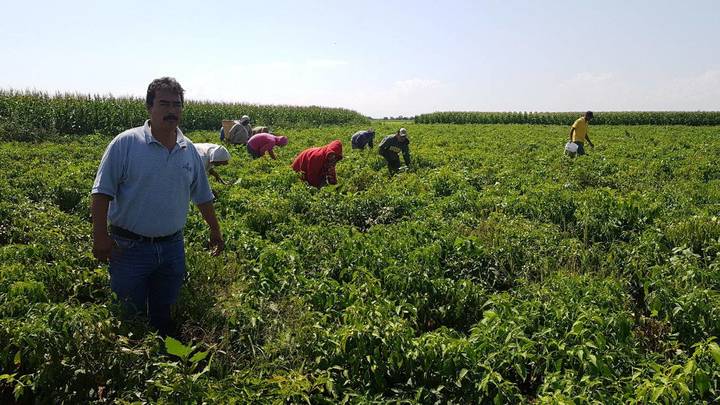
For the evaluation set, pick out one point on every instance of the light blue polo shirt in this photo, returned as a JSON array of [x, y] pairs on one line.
[[151, 187]]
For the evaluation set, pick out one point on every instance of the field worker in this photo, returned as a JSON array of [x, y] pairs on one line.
[[145, 181], [262, 143], [261, 130], [390, 148], [240, 132], [317, 165], [213, 155], [360, 139], [579, 132]]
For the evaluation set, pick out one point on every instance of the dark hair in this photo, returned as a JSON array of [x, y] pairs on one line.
[[589, 114], [163, 83]]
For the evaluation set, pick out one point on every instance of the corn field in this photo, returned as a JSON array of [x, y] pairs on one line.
[[29, 115], [696, 118]]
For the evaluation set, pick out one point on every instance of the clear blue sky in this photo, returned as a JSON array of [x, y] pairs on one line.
[[381, 58]]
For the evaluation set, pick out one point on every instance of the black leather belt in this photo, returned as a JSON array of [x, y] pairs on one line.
[[124, 233]]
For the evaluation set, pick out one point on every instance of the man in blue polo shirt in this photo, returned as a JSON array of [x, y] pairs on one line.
[[146, 179]]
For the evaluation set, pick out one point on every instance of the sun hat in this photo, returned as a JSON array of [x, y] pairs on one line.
[[403, 132], [219, 154], [281, 140]]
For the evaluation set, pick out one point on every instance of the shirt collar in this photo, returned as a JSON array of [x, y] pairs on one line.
[[179, 140]]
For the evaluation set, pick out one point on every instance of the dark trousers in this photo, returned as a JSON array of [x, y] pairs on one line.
[[581, 148], [393, 160]]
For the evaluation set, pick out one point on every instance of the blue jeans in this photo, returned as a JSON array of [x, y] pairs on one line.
[[147, 276]]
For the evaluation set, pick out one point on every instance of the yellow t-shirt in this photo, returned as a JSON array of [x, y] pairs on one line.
[[581, 130]]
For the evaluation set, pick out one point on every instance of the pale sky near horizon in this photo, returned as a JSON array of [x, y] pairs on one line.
[[381, 58]]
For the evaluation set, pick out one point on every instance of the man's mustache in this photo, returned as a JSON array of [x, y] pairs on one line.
[[170, 117]]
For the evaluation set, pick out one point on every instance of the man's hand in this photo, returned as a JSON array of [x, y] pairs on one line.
[[102, 247], [217, 244], [102, 244]]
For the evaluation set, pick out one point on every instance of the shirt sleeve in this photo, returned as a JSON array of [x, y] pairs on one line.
[[200, 192], [406, 153], [111, 170]]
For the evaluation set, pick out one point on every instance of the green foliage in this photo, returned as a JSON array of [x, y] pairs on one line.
[[33, 116], [497, 270], [567, 118]]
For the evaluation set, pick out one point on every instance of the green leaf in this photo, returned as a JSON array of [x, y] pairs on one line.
[[715, 351], [7, 377], [199, 356], [702, 382], [462, 373], [196, 376], [592, 359], [17, 359], [684, 389], [577, 327], [657, 393], [689, 367], [176, 348]]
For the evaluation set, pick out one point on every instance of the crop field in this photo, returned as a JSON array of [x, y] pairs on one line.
[[33, 116], [697, 118], [495, 270]]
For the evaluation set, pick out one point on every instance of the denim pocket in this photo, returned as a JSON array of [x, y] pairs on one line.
[[120, 245]]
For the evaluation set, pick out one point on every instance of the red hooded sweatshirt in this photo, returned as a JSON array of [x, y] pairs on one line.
[[314, 165]]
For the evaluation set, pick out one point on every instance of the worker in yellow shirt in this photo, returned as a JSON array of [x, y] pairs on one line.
[[579, 132]]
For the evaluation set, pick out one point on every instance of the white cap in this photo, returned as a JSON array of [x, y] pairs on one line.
[[219, 154]]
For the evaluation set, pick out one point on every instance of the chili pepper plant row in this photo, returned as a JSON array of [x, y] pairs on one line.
[[495, 269]]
